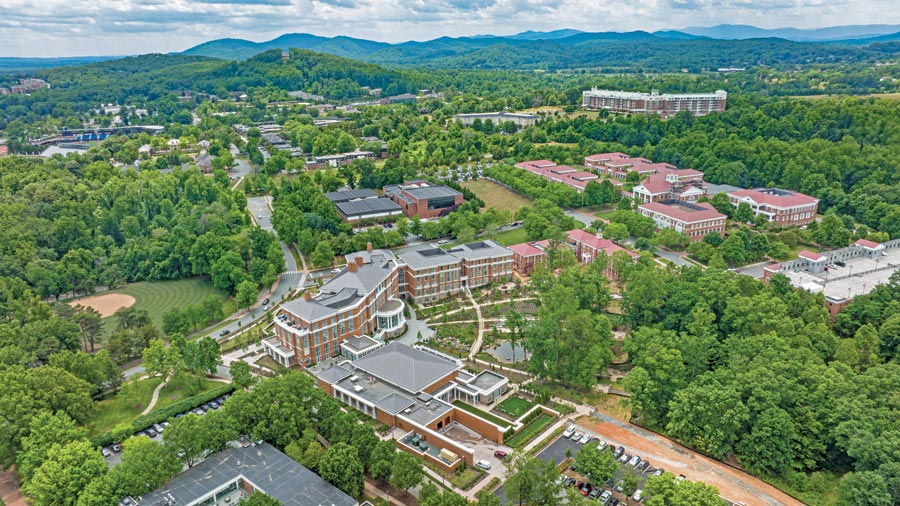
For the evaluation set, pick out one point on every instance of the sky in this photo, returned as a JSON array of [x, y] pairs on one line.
[[41, 28]]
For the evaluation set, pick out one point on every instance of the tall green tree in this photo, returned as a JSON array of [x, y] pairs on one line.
[[341, 467], [64, 474]]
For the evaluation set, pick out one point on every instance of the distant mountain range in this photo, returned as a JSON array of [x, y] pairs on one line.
[[829, 34], [721, 46]]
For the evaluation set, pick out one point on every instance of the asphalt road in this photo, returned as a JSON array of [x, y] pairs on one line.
[[259, 207]]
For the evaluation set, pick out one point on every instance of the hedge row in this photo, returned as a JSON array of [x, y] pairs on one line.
[[160, 415]]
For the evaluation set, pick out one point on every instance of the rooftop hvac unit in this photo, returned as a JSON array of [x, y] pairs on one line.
[[358, 388], [407, 410], [354, 378]]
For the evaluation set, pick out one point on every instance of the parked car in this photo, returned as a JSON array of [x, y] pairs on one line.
[[618, 451], [579, 484], [602, 445], [159, 427], [586, 489], [840, 264], [197, 411], [585, 439], [569, 431], [681, 477], [634, 461], [576, 436], [151, 432], [624, 458], [659, 472], [214, 405], [569, 482], [105, 452], [266, 301], [225, 332], [605, 496], [615, 502], [595, 493], [483, 464], [638, 495], [643, 465], [500, 454], [116, 448]]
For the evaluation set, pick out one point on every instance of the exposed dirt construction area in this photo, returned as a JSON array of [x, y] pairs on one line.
[[733, 484], [106, 304]]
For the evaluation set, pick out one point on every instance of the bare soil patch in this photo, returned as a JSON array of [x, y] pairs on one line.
[[106, 304]]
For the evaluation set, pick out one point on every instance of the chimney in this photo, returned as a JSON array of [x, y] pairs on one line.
[[352, 267], [369, 247], [359, 261], [307, 296]]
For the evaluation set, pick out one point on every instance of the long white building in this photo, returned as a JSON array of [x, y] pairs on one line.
[[666, 104]]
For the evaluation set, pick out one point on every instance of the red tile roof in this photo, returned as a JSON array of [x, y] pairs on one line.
[[526, 249], [793, 199], [867, 244], [597, 243], [656, 184], [684, 213], [773, 267], [809, 255]]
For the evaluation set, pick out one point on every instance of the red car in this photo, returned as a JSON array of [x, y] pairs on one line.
[[500, 454]]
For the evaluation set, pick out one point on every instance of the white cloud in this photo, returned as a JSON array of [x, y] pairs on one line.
[[83, 27]]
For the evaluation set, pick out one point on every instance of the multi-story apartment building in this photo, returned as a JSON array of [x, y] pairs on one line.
[[577, 179], [362, 299], [521, 120], [781, 206], [432, 274], [666, 104], [422, 199], [695, 220]]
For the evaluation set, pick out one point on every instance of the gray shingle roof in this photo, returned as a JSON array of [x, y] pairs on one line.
[[408, 368], [481, 249], [273, 472], [394, 403], [428, 258], [334, 374]]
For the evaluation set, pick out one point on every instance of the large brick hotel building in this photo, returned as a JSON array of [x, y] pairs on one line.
[[666, 104]]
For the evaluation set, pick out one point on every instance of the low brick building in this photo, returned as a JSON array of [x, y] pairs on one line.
[[422, 199], [784, 207], [414, 389], [693, 220]]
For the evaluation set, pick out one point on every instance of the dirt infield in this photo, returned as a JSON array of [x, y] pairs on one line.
[[106, 304]]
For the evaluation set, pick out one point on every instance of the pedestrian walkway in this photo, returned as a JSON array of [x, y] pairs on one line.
[[476, 346]]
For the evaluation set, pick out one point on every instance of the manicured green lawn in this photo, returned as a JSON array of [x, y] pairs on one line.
[[157, 297], [530, 431], [481, 414], [509, 237], [515, 406], [133, 398]]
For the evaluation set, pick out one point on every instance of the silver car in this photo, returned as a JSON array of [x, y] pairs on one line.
[[585, 439]]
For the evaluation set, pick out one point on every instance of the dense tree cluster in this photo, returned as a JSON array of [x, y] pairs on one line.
[[733, 367], [70, 226]]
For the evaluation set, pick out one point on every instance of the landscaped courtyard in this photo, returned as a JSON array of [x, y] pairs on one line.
[[515, 406]]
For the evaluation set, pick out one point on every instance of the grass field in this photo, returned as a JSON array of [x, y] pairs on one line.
[[133, 398], [530, 431], [481, 414], [496, 196], [515, 406], [157, 297], [514, 236]]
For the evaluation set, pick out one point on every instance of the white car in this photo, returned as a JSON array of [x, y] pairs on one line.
[[483, 464], [585, 439], [576, 436], [602, 445], [605, 496], [569, 431], [638, 495]]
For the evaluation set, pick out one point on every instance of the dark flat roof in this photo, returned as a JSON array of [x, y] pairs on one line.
[[273, 472], [365, 207], [345, 195]]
